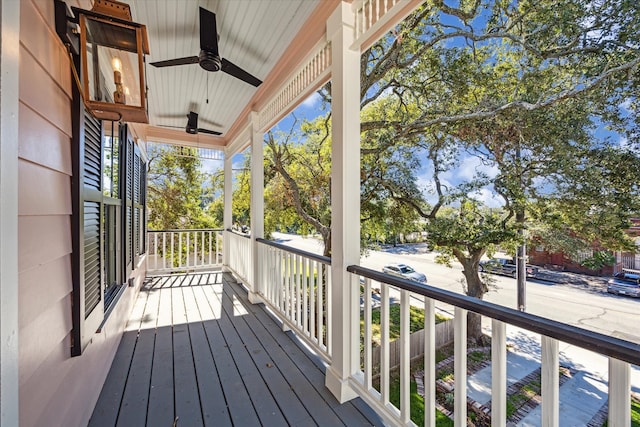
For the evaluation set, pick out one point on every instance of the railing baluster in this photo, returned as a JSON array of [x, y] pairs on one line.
[[290, 303], [498, 374], [550, 382], [384, 344], [277, 260], [460, 368], [211, 235], [273, 281], [195, 249], [429, 363], [320, 301], [619, 390], [368, 335], [305, 294], [298, 283], [172, 254], [188, 247], [155, 250], [164, 250], [313, 276], [218, 237], [405, 359]]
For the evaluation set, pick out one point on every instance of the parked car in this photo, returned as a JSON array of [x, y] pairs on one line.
[[505, 266], [625, 283], [404, 271]]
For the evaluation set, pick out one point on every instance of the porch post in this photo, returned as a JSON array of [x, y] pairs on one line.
[[227, 216], [257, 206], [9, 83], [345, 202]]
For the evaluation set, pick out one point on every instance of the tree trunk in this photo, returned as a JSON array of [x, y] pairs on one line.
[[475, 288], [326, 239]]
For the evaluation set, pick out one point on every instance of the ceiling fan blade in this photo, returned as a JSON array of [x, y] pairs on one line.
[[178, 61], [232, 69], [208, 31], [211, 132], [171, 127], [210, 122]]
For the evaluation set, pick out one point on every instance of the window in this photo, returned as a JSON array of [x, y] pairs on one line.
[[108, 222]]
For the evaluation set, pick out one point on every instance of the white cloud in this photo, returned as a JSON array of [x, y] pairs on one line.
[[312, 100], [487, 197], [469, 168]]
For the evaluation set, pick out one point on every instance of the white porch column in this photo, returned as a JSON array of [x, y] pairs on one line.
[[9, 79], [227, 216], [257, 205], [345, 202]]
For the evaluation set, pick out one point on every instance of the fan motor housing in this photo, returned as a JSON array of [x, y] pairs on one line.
[[209, 61]]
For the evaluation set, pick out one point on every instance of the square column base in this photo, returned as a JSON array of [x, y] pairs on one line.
[[254, 298], [339, 387]]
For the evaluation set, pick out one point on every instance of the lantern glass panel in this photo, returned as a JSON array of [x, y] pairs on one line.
[[113, 69]]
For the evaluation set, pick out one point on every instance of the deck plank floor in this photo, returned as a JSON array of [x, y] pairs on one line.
[[197, 353]]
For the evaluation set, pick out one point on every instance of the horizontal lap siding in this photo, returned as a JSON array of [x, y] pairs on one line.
[[55, 389]]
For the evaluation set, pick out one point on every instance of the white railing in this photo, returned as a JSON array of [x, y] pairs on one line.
[[372, 16], [172, 251], [307, 77], [296, 286], [240, 256], [373, 383]]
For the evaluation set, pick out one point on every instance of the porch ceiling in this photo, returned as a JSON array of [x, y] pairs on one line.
[[257, 35]]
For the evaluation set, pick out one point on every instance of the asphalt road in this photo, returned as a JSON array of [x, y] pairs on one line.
[[590, 308]]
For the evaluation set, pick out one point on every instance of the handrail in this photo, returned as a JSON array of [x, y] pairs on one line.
[[597, 342], [316, 257], [230, 230]]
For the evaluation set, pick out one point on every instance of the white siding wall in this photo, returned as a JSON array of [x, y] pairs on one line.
[[55, 389]]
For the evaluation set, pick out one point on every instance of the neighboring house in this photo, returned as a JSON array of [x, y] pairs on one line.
[[630, 260], [538, 255]]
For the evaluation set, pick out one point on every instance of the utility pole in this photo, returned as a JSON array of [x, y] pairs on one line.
[[521, 271], [521, 252]]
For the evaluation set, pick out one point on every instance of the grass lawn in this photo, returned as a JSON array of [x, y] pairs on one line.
[[417, 405], [416, 322]]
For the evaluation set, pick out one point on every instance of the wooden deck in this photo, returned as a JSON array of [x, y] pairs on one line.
[[197, 353]]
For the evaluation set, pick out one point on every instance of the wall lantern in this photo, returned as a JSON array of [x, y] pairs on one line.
[[111, 48]]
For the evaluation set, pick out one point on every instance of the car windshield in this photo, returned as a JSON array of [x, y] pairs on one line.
[[406, 269], [631, 278]]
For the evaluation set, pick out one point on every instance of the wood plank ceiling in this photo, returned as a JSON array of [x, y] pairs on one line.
[[253, 34]]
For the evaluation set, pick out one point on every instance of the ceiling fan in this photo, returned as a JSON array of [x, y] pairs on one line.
[[209, 57], [192, 125]]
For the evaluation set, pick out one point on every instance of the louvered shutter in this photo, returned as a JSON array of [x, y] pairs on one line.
[[127, 192], [92, 214], [88, 255]]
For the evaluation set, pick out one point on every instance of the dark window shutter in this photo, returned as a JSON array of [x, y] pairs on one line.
[[87, 226], [92, 258], [92, 187]]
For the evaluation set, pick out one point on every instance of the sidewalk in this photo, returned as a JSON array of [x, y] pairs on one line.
[[582, 394], [576, 280], [583, 398]]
